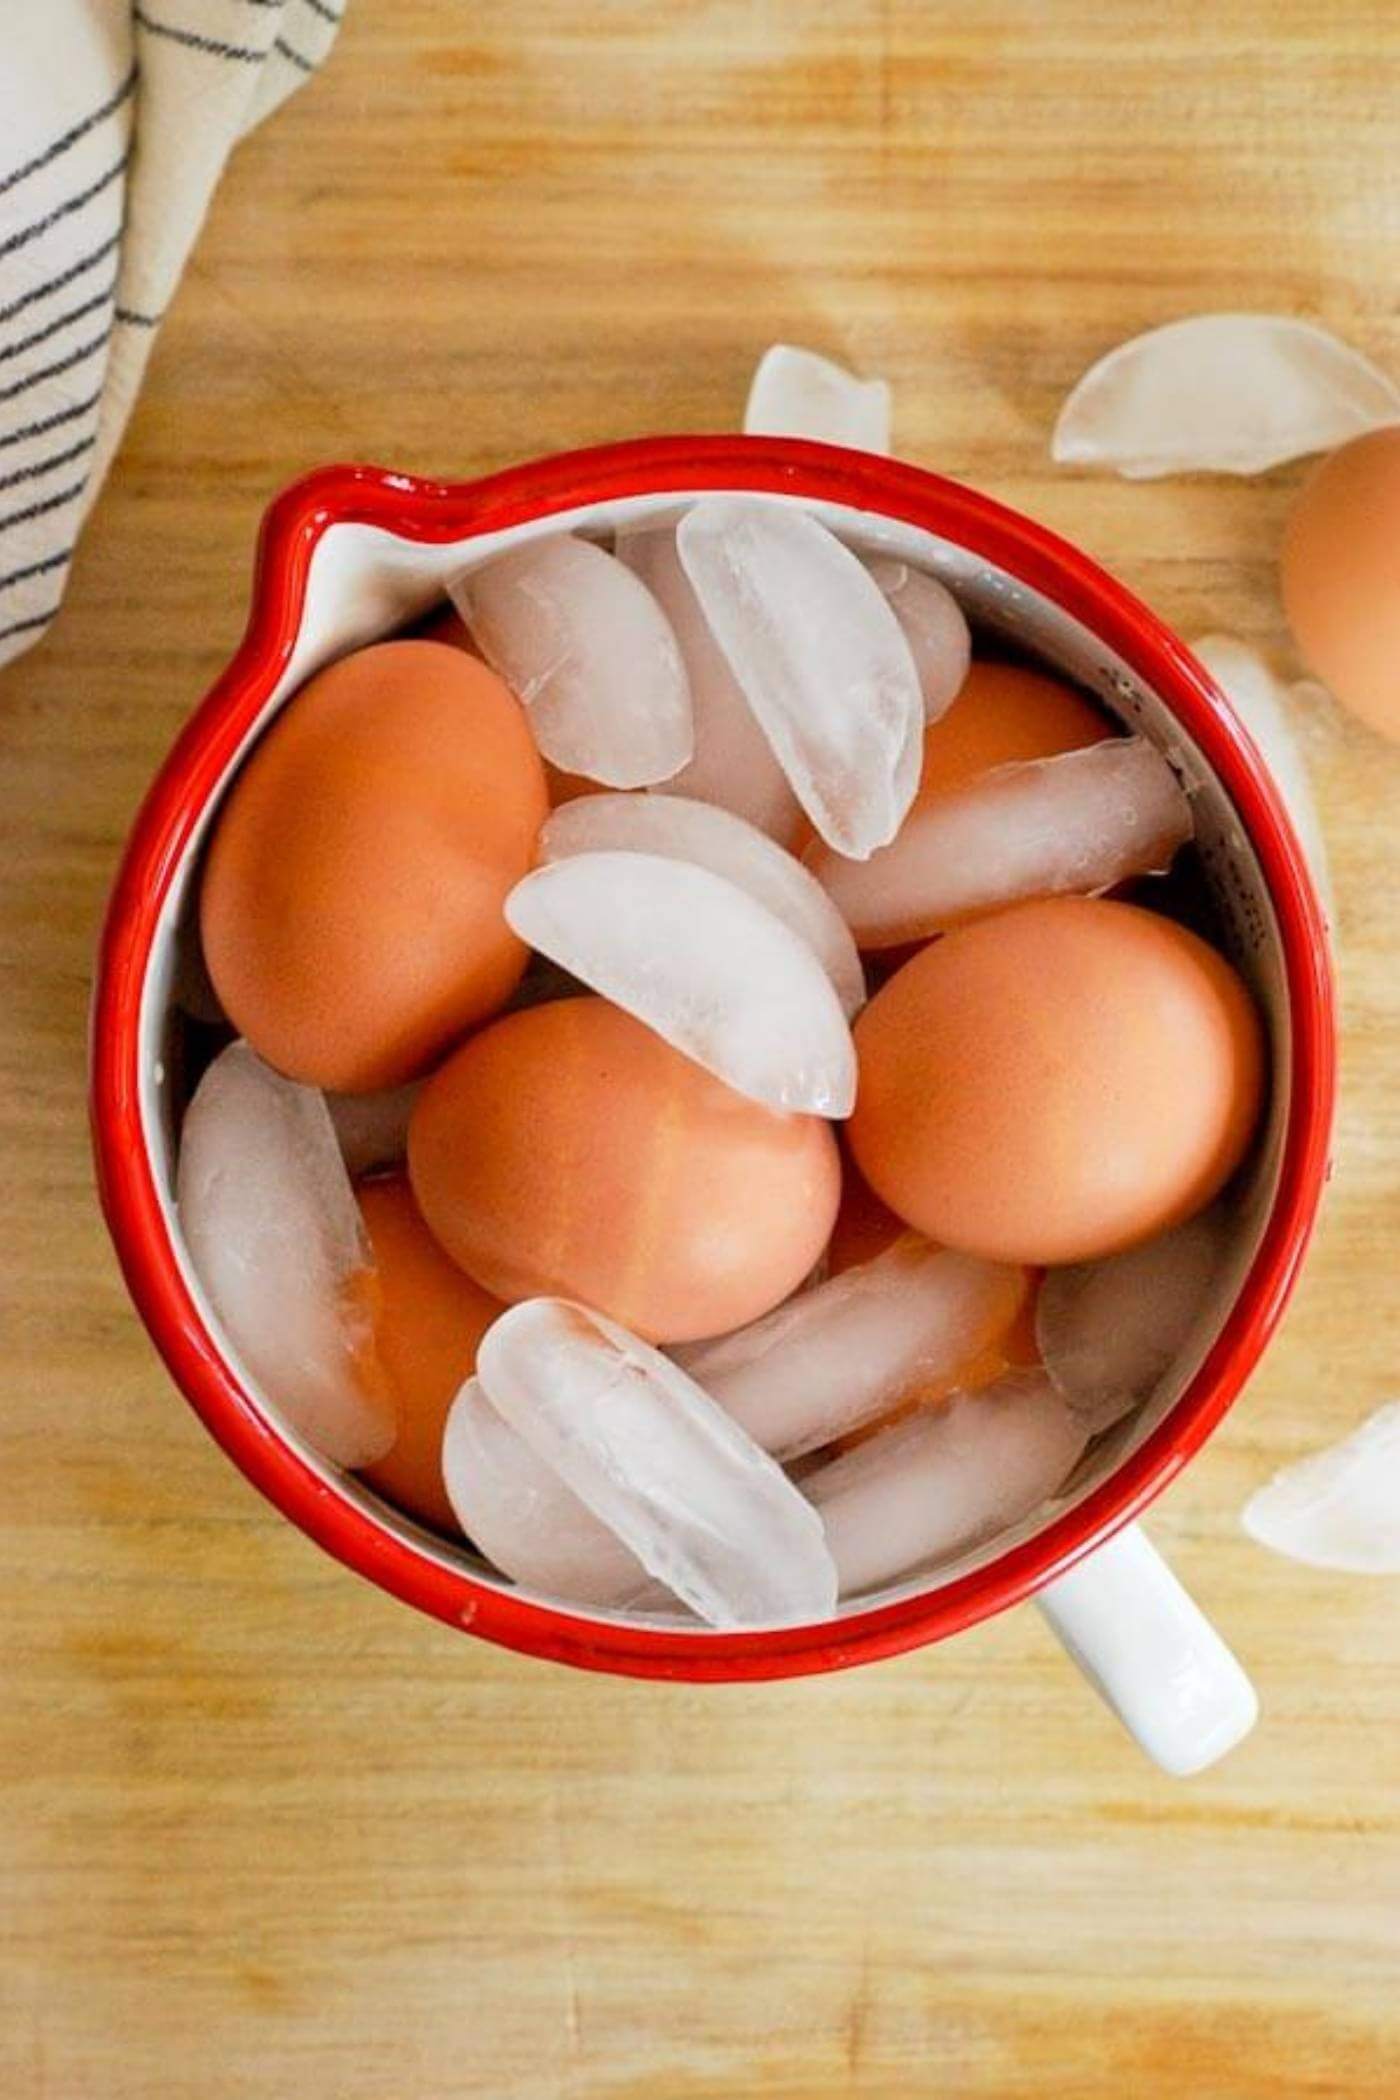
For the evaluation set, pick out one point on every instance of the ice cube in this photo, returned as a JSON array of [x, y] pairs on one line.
[[945, 1479], [820, 656], [694, 957], [1109, 1331], [589, 653], [275, 1237], [373, 1128], [935, 627], [677, 828], [517, 1510], [1267, 713], [1076, 823], [843, 1353], [1341, 1507], [733, 765], [796, 393], [703, 1508], [1222, 393]]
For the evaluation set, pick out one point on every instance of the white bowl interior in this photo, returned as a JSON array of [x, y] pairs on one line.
[[366, 583]]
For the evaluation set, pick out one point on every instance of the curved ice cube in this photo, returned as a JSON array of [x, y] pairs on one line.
[[1223, 393], [275, 1237], [820, 656], [695, 958], [679, 829], [945, 1479], [517, 1510], [1109, 1331], [733, 763], [796, 393], [588, 651], [1079, 822], [839, 1355], [935, 627], [1341, 1507], [652, 1456]]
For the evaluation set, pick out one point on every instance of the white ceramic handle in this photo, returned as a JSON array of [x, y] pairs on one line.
[[1152, 1654]]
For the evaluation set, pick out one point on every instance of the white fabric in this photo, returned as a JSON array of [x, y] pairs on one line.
[[116, 118]]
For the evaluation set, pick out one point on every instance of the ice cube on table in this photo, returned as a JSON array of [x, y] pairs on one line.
[[935, 627], [820, 657], [589, 653], [796, 393], [733, 764], [679, 829], [698, 960], [705, 1510], [1339, 1508], [846, 1351], [1109, 1331], [1223, 393], [519, 1513], [1077, 823], [945, 1479], [275, 1237], [373, 1128]]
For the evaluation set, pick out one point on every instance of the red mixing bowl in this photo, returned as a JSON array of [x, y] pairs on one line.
[[353, 552]]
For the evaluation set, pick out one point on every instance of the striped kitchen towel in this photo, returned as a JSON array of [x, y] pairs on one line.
[[116, 118]]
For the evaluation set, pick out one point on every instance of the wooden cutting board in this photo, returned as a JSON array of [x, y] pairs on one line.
[[263, 1832]]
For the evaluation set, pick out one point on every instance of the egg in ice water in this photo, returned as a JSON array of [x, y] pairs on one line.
[[1057, 1081], [567, 1151], [351, 907], [428, 1319]]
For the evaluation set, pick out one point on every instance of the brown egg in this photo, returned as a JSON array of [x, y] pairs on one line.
[[1056, 1082], [1341, 577], [429, 1319], [567, 1150], [1002, 716], [351, 909]]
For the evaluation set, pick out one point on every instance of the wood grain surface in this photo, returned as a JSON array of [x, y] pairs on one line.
[[263, 1832]]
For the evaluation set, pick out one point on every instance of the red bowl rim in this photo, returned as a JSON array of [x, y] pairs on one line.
[[435, 512]]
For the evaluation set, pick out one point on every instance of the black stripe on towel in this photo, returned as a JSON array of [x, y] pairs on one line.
[[280, 44], [41, 505], [56, 284], [60, 415], [194, 42], [41, 335], [62, 364], [327, 14], [24, 626], [136, 320], [65, 210], [39, 568], [71, 137], [46, 466]]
